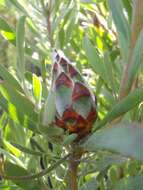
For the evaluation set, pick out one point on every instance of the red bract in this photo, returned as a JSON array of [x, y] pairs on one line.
[[75, 105], [63, 79], [79, 90]]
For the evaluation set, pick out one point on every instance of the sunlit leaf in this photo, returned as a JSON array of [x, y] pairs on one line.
[[37, 89], [7, 31], [18, 106]]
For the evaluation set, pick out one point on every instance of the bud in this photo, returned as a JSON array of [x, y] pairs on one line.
[[75, 103]]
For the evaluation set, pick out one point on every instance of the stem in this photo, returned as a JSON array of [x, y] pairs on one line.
[[74, 162], [73, 166]]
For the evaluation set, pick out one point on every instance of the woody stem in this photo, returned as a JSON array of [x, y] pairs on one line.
[[74, 162]]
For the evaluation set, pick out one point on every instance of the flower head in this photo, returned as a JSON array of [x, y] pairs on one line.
[[75, 103]]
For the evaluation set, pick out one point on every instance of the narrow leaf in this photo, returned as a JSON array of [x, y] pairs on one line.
[[20, 109], [26, 150], [37, 89], [8, 77], [7, 31], [20, 33], [137, 57], [18, 6], [49, 109], [122, 25], [94, 60], [122, 107]]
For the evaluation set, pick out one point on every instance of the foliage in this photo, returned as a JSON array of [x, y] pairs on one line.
[[103, 38]]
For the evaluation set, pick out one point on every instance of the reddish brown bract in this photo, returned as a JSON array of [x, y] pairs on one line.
[[72, 119], [63, 79]]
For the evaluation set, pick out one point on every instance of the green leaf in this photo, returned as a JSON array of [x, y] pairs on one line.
[[37, 89], [7, 31], [20, 44], [20, 109], [130, 183], [27, 150], [137, 57], [63, 99], [122, 107], [15, 170], [122, 25], [11, 157], [69, 139], [49, 109], [8, 77], [94, 59], [61, 37], [82, 106], [52, 130], [108, 160], [123, 138], [11, 148], [18, 6], [91, 184]]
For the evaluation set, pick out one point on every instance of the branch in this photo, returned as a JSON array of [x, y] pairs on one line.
[[74, 162]]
